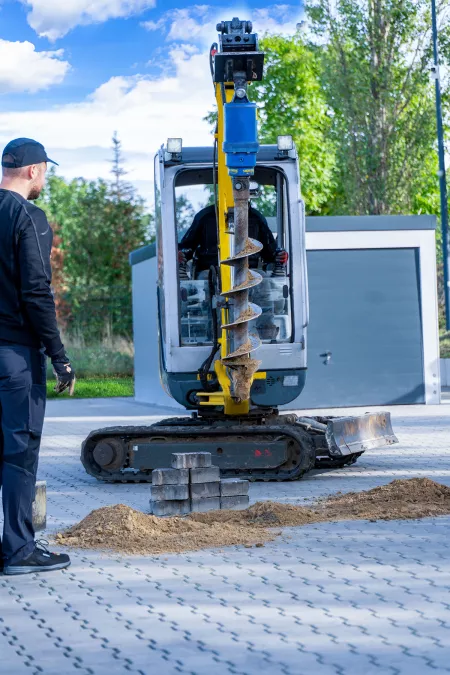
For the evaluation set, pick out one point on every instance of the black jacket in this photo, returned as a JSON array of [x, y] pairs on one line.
[[27, 307], [201, 238]]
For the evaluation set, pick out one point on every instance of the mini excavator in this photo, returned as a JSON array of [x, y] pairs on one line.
[[232, 339]]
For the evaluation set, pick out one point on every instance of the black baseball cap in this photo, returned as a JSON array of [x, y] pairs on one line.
[[23, 152]]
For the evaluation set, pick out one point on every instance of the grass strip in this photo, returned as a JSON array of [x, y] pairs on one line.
[[96, 388]]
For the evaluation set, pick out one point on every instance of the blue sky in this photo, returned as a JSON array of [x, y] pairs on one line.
[[74, 71]]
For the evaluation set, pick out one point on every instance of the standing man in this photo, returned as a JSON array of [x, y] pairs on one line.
[[28, 333]]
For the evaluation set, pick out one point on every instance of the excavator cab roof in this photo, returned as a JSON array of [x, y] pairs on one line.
[[205, 155]]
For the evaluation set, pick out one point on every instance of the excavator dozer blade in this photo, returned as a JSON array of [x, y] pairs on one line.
[[350, 435]]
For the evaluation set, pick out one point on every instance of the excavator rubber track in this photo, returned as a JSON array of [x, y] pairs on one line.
[[281, 448]]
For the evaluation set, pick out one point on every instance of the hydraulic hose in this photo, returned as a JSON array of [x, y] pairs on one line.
[[211, 386]]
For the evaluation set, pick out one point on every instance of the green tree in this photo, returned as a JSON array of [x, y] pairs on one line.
[[99, 223], [184, 214], [119, 187], [292, 101], [376, 76]]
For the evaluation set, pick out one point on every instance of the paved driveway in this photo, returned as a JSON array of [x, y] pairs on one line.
[[336, 598]]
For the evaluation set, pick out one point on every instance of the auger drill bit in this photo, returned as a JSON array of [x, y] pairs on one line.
[[242, 343]]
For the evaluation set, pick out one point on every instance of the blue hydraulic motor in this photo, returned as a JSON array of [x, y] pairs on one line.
[[241, 135]]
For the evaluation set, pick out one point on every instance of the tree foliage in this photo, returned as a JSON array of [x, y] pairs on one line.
[[376, 57], [98, 224], [184, 214], [356, 92], [119, 187], [291, 101]]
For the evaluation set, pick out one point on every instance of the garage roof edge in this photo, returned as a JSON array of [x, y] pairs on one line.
[[333, 224]]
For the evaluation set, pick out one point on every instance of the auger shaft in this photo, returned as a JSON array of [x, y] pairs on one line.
[[241, 193], [238, 360]]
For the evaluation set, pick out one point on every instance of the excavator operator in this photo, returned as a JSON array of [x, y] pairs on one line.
[[200, 242]]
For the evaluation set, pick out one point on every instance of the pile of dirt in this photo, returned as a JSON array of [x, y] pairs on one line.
[[261, 514], [400, 499], [121, 528]]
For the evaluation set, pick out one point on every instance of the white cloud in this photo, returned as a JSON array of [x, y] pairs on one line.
[[198, 22], [190, 23], [22, 68], [154, 25], [145, 111], [281, 19], [53, 19]]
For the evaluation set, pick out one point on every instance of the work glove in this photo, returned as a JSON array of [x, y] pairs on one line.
[[65, 374], [281, 256]]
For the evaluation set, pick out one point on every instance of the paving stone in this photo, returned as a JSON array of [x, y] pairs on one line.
[[161, 493], [40, 506], [172, 508], [232, 487], [191, 460], [237, 502], [170, 476], [340, 598], [208, 475], [204, 490], [203, 505]]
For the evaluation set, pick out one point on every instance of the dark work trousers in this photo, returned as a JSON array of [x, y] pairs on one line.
[[22, 408]]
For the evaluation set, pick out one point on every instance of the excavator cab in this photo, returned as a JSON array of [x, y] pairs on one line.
[[186, 298]]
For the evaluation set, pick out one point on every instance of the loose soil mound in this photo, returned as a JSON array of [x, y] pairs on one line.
[[261, 514], [124, 529], [401, 499]]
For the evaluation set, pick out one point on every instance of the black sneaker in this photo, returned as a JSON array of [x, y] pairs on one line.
[[41, 560]]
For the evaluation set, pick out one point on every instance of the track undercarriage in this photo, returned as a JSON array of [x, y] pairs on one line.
[[271, 447]]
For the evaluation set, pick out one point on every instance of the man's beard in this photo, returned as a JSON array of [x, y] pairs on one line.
[[34, 193]]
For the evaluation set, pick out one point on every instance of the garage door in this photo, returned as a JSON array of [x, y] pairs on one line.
[[365, 336]]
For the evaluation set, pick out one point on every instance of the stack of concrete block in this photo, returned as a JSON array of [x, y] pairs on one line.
[[205, 489], [234, 493], [193, 484], [170, 492]]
